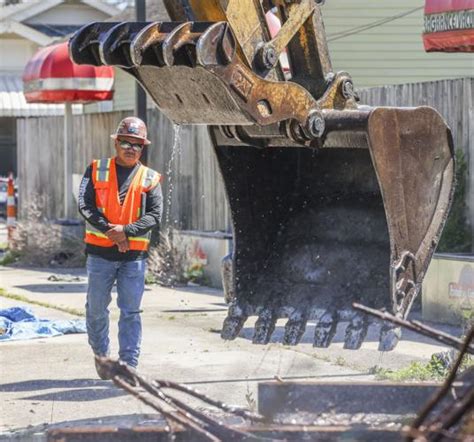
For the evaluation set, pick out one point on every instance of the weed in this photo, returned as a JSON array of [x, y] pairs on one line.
[[214, 330], [39, 242], [435, 370], [10, 257], [21, 298], [150, 279], [251, 402], [166, 263], [340, 361], [171, 318], [323, 358]]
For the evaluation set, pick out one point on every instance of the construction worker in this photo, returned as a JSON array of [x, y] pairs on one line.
[[121, 201]]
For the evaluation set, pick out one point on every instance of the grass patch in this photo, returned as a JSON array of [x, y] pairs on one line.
[[434, 370], [21, 298], [10, 257], [150, 279]]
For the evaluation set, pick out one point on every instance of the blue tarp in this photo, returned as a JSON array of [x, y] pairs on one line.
[[20, 323]]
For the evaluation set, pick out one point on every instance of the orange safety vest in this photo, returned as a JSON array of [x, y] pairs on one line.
[[104, 178]]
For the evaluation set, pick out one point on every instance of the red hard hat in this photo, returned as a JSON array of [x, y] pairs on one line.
[[132, 127]]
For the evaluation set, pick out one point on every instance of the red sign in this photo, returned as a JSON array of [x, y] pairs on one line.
[[449, 26]]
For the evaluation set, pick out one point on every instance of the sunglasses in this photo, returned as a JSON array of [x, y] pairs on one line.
[[127, 145]]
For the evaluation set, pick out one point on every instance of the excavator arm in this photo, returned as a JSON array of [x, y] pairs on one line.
[[332, 202]]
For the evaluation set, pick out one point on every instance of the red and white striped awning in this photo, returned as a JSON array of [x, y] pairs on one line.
[[51, 77], [449, 26]]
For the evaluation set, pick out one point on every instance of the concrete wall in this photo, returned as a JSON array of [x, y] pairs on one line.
[[215, 245], [448, 289]]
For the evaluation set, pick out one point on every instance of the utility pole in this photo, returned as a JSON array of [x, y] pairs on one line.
[[140, 94]]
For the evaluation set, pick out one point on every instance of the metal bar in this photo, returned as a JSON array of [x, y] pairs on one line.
[[296, 19], [308, 52], [155, 434], [173, 415], [418, 327], [140, 94], [446, 386], [218, 404], [181, 413], [217, 429], [68, 159], [457, 411], [347, 120]]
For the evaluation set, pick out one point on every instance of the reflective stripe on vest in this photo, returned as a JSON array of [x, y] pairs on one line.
[[90, 229], [103, 170], [150, 178]]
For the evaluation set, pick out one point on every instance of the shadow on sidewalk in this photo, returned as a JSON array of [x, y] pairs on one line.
[[58, 288], [64, 287], [76, 390]]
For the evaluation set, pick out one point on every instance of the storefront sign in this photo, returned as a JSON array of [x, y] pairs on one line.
[[449, 26]]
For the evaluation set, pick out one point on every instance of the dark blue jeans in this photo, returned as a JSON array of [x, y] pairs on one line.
[[130, 277]]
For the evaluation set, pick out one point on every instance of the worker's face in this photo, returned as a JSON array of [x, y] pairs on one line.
[[129, 150]]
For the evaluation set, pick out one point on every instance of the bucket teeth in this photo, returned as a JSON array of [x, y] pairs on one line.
[[325, 329], [147, 47], [84, 45], [115, 45], [208, 53], [356, 332], [264, 327], [295, 328], [174, 46], [159, 44], [234, 322], [389, 337]]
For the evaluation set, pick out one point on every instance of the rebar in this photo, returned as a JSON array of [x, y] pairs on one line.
[[151, 393]]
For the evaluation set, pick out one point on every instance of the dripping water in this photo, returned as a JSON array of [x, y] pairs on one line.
[[170, 174]]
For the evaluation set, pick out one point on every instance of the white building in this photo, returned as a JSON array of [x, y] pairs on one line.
[[24, 27]]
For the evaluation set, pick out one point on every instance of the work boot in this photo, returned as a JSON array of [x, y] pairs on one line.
[[134, 382], [101, 371]]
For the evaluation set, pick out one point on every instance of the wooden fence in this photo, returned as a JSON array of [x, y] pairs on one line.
[[192, 182]]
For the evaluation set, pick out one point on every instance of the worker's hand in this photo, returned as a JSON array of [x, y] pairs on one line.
[[116, 233], [123, 246]]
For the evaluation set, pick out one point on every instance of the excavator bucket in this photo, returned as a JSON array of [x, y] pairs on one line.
[[332, 202]]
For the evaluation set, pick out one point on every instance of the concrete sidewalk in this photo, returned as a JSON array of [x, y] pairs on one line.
[[48, 381]]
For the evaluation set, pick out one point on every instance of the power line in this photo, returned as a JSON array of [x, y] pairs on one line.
[[375, 24]]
